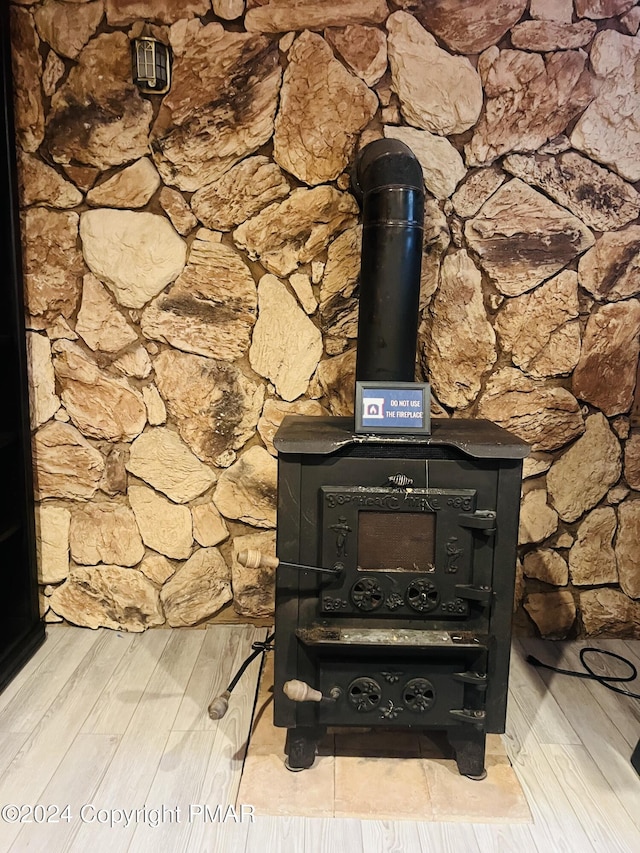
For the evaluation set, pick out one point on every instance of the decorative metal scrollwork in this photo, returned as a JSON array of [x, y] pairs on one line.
[[454, 552], [400, 481], [391, 677], [422, 595], [367, 594], [342, 531], [464, 503], [330, 603], [419, 695], [394, 600], [365, 694], [391, 711]]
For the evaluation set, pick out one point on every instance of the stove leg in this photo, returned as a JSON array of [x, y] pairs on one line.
[[469, 747], [301, 746]]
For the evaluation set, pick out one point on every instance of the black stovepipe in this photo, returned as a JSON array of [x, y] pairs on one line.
[[387, 180]]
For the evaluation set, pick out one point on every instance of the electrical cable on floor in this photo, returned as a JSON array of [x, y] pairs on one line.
[[605, 680], [218, 707]]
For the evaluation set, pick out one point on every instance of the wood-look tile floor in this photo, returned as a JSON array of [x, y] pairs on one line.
[[105, 728]]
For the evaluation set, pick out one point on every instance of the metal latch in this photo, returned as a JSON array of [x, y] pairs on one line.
[[466, 715], [477, 679], [481, 519], [474, 593]]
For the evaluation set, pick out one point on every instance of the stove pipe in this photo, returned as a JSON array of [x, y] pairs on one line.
[[387, 180]]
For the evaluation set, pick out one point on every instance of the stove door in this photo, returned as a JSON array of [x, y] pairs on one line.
[[403, 553]]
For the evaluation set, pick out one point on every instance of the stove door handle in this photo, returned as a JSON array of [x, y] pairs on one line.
[[300, 691], [254, 559]]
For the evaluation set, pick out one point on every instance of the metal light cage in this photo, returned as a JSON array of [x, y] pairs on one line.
[[151, 65]]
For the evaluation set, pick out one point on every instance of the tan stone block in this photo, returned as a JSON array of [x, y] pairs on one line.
[[135, 363], [68, 27], [156, 567], [135, 254], [247, 490], [294, 231], [211, 309], [553, 612], [198, 589], [286, 346], [609, 613], [547, 566], [608, 131], [541, 329], [100, 406], [301, 284], [253, 589], [52, 73], [105, 533], [415, 58], [196, 138], [43, 401], [177, 209], [215, 407], [165, 527], [323, 108], [462, 341], [522, 238], [606, 372], [579, 184], [27, 72], [627, 550], [632, 460], [100, 324], [466, 27], [476, 189], [545, 36], [161, 11], [108, 597], [209, 527], [164, 461], [52, 262], [528, 100], [610, 270], [113, 125], [131, 187], [52, 537], [66, 465], [240, 193], [591, 559], [538, 520], [40, 184], [363, 48], [156, 410], [545, 416], [276, 16], [586, 471]]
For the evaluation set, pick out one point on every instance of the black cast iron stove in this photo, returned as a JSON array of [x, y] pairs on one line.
[[397, 551]]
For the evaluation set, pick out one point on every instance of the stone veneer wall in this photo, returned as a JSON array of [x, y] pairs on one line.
[[191, 266]]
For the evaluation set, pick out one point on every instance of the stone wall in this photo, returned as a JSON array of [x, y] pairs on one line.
[[191, 272]]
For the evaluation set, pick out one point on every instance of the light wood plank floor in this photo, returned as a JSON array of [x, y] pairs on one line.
[[115, 727]]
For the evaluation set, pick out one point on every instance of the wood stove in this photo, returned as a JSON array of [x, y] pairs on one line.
[[413, 628], [397, 551]]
